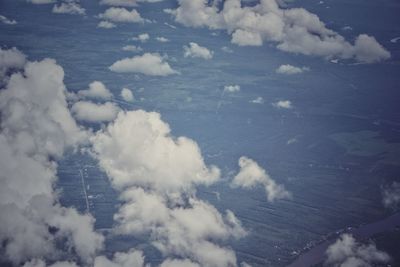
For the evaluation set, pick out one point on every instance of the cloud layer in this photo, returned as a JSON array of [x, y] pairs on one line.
[[127, 95], [232, 88], [70, 7], [195, 50], [293, 30], [251, 175], [289, 69], [36, 129], [347, 252], [285, 104], [126, 3], [391, 195], [148, 64], [92, 112], [116, 14], [156, 175], [8, 21], [10, 59], [96, 90]]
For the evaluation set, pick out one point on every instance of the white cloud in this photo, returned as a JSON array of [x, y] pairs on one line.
[[292, 29], [285, 104], [39, 2], [181, 229], [246, 38], [41, 263], [5, 20], [178, 263], [36, 128], [395, 40], [391, 195], [148, 64], [10, 59], [127, 95], [127, 3], [132, 48], [289, 69], [132, 258], [258, 100], [116, 14], [226, 49], [251, 175], [47, 92], [232, 88], [106, 24], [96, 90], [195, 50], [72, 8], [162, 39], [155, 159], [143, 37], [347, 252], [92, 112], [368, 50], [170, 25], [292, 141], [156, 175]]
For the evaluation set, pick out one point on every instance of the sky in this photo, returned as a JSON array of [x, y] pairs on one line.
[[228, 133]]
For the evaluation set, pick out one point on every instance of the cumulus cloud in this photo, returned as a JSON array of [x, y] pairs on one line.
[[96, 90], [251, 175], [347, 252], [347, 28], [285, 104], [143, 37], [183, 230], [258, 100], [6, 20], [367, 49], [127, 95], [195, 50], [92, 112], [226, 49], [154, 158], [47, 92], [36, 128], [246, 38], [178, 263], [289, 69], [70, 7], [156, 175], [232, 88], [292, 29], [41, 263], [391, 195], [127, 3], [149, 64], [39, 2], [162, 39], [106, 24], [132, 48], [132, 258], [10, 59], [117, 14]]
